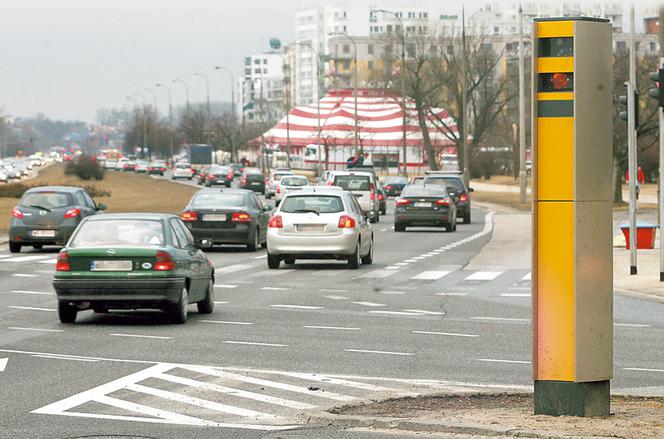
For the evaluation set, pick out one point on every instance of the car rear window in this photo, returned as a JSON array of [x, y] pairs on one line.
[[396, 180], [211, 200], [451, 183], [353, 182], [49, 200], [294, 181], [315, 203], [116, 232], [421, 191], [183, 166]]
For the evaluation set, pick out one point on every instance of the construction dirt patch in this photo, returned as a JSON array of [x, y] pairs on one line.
[[512, 414]]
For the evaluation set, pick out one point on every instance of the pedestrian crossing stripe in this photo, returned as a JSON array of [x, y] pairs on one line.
[[30, 258]]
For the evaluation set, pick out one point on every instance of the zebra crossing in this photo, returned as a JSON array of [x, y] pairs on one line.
[[209, 396], [15, 259]]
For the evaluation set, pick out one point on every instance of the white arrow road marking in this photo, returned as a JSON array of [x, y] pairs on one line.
[[3, 364]]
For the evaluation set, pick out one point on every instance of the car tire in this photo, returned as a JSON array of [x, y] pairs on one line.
[[190, 178], [368, 259], [206, 306], [449, 228], [264, 245], [383, 212], [179, 311], [273, 261], [38, 246], [398, 227], [354, 259], [14, 247], [256, 242], [466, 218], [66, 312]]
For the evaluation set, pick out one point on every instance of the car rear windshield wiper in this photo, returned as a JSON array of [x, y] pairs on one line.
[[306, 211], [35, 206]]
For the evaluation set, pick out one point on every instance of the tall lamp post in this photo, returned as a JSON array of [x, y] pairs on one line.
[[170, 116], [276, 44], [207, 100], [404, 142], [186, 111], [318, 97], [357, 132], [233, 116]]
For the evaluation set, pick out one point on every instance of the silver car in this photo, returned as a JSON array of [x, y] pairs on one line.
[[319, 222]]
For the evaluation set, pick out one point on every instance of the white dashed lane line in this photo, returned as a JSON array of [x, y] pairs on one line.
[[253, 343], [336, 297], [364, 351], [372, 304], [501, 319], [24, 275], [296, 306], [333, 328], [484, 275], [226, 286], [275, 288], [492, 360], [450, 334], [37, 293], [156, 337], [227, 323], [31, 308], [17, 328]]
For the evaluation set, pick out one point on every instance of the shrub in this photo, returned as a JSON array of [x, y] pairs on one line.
[[86, 167]]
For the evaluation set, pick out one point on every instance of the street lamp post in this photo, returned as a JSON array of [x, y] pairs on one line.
[[154, 128], [318, 97], [287, 78], [186, 112], [357, 132], [233, 116], [170, 117], [207, 99], [404, 108]]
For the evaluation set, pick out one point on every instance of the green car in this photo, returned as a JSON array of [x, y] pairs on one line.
[[132, 261]]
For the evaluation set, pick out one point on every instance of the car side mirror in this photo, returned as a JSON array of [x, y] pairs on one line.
[[204, 244], [101, 206]]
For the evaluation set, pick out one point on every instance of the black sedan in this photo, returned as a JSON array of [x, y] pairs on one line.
[[228, 216], [424, 206], [219, 175], [253, 179], [457, 189], [48, 215], [394, 185]]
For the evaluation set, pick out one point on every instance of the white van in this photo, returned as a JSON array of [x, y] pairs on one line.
[[363, 186]]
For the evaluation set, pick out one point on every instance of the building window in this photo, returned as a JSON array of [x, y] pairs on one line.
[[346, 65], [264, 60], [389, 28], [257, 61], [247, 72], [346, 49], [496, 30], [257, 71], [265, 71], [370, 65], [370, 49], [344, 28], [247, 61]]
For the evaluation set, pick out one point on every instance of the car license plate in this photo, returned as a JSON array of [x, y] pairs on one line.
[[214, 217], [255, 183], [111, 265], [43, 233], [422, 204], [311, 227]]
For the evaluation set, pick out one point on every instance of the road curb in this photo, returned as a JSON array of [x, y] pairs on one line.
[[639, 295], [424, 427]]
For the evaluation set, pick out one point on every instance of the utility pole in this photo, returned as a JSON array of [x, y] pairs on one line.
[[522, 114], [464, 98], [208, 119], [631, 145], [661, 150], [170, 119], [357, 133]]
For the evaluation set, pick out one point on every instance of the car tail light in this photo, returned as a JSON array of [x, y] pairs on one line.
[[240, 217], [244, 181], [189, 217], [463, 197], [210, 177], [73, 213], [278, 189], [230, 175], [402, 202], [329, 183], [372, 196], [381, 197], [163, 262], [17, 213], [388, 187], [346, 222], [276, 222], [63, 262], [442, 202], [162, 169]]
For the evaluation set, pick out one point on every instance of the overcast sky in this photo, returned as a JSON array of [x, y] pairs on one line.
[[67, 58]]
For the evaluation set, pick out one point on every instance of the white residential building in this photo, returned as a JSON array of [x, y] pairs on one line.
[[259, 95]]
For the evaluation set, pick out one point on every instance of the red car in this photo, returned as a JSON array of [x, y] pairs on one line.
[[157, 167]]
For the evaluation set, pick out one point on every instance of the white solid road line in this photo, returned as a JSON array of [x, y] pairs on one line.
[[642, 369], [52, 357], [491, 360], [372, 304], [235, 392], [252, 343], [365, 351], [227, 323], [336, 297], [24, 275], [527, 277], [396, 313], [18, 328], [31, 308], [631, 325], [514, 295], [430, 275], [500, 319], [158, 337], [335, 328], [26, 258], [452, 294], [451, 334], [484, 275], [39, 293], [425, 312], [297, 306], [226, 286], [275, 288]]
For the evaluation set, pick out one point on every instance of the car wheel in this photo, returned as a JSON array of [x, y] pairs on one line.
[[466, 218], [264, 245], [449, 228], [38, 246], [180, 311], [254, 246], [14, 247], [383, 212], [273, 261], [66, 312], [368, 259], [206, 306], [399, 227], [354, 259]]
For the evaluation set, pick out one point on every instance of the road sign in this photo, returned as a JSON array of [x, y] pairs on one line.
[[572, 216]]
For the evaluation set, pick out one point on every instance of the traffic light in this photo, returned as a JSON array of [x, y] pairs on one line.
[[657, 92], [622, 114]]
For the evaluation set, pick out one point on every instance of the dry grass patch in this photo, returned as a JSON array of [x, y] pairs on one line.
[[129, 192], [507, 199]]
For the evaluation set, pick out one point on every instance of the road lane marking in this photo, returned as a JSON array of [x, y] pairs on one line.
[[39, 293], [328, 290], [515, 295], [50, 261], [232, 268], [452, 294], [396, 313], [335, 328], [642, 369], [227, 322], [338, 381], [19, 328], [25, 258], [297, 306], [261, 257], [401, 264], [410, 261], [373, 304], [3, 364], [235, 392], [31, 308], [631, 325], [225, 286], [275, 289], [383, 230], [253, 343], [336, 297], [365, 351], [500, 319], [430, 275], [418, 258], [527, 277], [491, 360], [158, 337], [220, 303], [24, 275], [392, 293], [451, 334], [392, 267], [377, 274], [484, 275], [53, 357], [425, 312]]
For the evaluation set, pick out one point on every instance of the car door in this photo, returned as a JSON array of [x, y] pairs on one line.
[[365, 238], [90, 203], [81, 203], [261, 216], [184, 262], [199, 262]]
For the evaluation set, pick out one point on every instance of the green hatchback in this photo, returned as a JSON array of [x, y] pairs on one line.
[[132, 261]]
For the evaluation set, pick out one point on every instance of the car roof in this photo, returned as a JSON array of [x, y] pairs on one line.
[[68, 189], [363, 173], [225, 191], [322, 190], [131, 216], [296, 176]]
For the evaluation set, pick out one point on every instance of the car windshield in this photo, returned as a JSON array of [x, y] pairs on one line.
[[294, 181], [396, 180], [312, 203], [452, 183], [210, 200], [48, 200], [353, 182], [116, 232]]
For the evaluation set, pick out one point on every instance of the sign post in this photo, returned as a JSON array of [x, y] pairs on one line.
[[572, 216]]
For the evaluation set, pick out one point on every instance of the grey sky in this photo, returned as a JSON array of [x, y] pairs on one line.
[[67, 58]]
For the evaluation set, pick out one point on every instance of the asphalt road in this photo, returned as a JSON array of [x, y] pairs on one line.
[[283, 342]]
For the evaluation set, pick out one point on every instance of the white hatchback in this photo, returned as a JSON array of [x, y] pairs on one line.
[[182, 170], [287, 184]]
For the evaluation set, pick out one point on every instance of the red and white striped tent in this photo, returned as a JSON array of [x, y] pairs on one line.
[[380, 127]]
